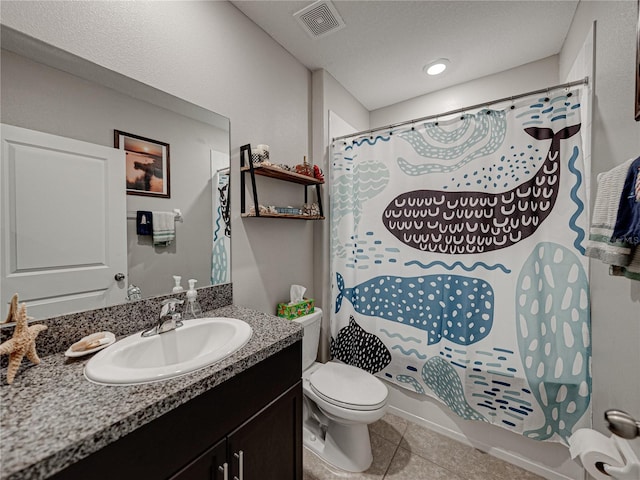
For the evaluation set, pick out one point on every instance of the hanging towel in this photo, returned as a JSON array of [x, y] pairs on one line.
[[144, 222], [632, 270], [164, 228], [603, 220], [627, 226]]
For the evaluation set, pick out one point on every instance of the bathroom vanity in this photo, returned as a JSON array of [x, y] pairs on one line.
[[251, 421], [240, 417]]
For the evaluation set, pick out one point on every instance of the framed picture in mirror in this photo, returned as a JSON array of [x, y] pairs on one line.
[[147, 164]]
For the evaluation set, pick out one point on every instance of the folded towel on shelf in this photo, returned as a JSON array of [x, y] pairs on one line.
[[164, 228], [627, 226], [144, 222], [603, 219]]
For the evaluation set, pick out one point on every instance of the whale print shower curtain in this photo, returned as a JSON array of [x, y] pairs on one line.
[[220, 261], [457, 262]]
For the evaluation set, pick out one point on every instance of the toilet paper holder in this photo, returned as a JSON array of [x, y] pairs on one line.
[[631, 469]]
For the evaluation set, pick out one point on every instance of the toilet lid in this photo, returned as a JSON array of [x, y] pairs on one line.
[[348, 387]]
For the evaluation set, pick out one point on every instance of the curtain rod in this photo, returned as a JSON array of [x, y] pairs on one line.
[[584, 81]]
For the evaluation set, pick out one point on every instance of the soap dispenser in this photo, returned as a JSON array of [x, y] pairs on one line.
[[177, 288], [192, 309]]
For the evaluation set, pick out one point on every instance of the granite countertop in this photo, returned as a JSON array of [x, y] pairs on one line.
[[51, 416]]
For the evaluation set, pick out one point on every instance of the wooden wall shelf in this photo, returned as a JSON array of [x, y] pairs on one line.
[[247, 167], [280, 174], [284, 215]]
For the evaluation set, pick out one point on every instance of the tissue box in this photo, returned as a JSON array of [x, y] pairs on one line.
[[305, 307]]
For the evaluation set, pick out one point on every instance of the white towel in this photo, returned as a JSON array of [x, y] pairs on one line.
[[603, 220], [164, 228], [632, 270]]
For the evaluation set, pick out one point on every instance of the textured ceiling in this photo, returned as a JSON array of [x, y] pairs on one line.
[[380, 54]]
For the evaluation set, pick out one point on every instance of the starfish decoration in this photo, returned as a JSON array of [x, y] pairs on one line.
[[13, 309], [23, 342]]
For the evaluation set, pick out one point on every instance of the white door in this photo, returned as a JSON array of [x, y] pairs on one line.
[[63, 216]]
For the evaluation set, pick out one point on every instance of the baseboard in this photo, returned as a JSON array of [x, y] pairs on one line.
[[521, 462]]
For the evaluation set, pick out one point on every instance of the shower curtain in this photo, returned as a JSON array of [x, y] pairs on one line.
[[220, 261], [457, 262]]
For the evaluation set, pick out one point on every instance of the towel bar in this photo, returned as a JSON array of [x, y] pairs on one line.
[[132, 214]]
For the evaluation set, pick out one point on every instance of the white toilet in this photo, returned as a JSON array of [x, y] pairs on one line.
[[339, 402]]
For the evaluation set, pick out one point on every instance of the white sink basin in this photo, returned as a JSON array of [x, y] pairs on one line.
[[196, 344]]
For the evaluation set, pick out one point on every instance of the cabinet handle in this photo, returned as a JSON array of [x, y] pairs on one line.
[[240, 457], [225, 471]]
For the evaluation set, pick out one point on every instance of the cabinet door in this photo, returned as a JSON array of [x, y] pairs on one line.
[[269, 445], [207, 466]]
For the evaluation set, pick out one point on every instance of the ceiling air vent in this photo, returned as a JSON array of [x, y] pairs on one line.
[[319, 19]]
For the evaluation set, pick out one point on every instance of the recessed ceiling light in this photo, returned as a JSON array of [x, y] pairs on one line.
[[436, 67]]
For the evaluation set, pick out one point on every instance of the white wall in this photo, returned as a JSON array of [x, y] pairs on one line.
[[328, 96], [615, 301], [210, 54], [531, 76]]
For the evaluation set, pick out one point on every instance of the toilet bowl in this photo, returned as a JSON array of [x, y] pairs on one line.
[[339, 402]]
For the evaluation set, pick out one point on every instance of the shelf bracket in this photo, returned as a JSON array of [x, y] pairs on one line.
[[246, 149], [319, 197]]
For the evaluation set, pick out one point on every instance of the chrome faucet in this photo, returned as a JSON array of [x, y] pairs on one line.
[[169, 319]]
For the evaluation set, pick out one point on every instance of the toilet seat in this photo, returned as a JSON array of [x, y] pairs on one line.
[[348, 387]]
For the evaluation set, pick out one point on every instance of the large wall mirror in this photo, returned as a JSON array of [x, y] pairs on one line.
[[48, 90]]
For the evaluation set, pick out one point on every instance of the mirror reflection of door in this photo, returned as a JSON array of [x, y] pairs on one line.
[[63, 220], [69, 100]]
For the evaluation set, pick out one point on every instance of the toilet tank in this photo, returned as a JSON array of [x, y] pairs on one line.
[[311, 324]]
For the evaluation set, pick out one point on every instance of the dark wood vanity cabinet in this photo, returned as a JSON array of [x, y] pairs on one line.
[[264, 447], [253, 421], [210, 465]]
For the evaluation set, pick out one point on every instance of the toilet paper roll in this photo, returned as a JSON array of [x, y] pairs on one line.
[[594, 450]]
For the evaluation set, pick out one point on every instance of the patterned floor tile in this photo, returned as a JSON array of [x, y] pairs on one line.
[[435, 447], [482, 466], [382, 449], [405, 451], [406, 466], [390, 427]]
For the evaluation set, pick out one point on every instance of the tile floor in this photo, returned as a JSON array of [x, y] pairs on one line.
[[405, 451]]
